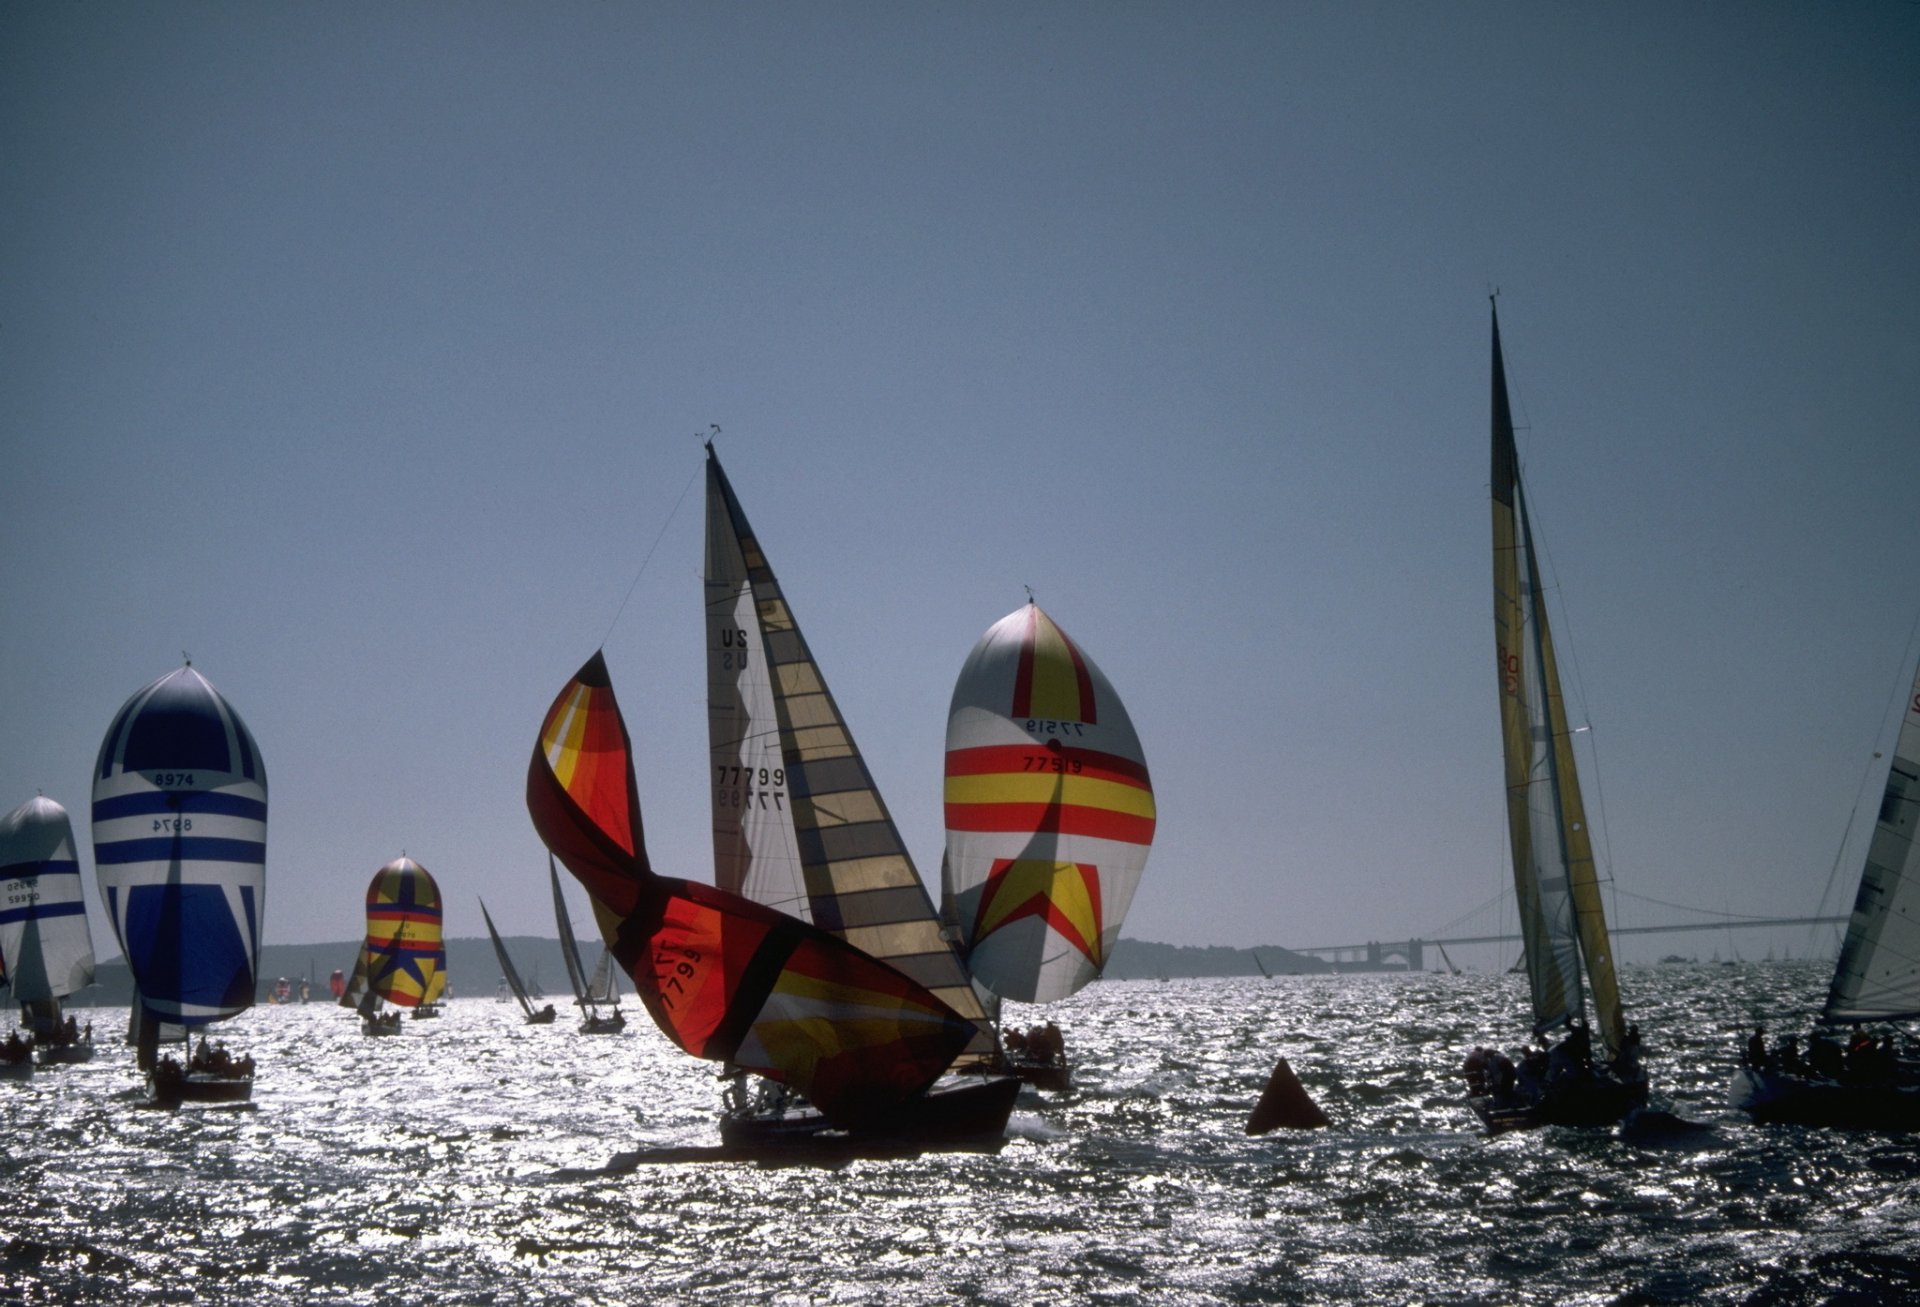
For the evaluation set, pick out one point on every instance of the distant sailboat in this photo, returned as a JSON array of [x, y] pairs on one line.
[[510, 976], [1876, 979], [403, 961], [46, 952], [179, 850], [798, 821], [585, 997], [1049, 815], [729, 979], [1562, 922]]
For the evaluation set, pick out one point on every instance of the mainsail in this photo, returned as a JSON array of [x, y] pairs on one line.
[[46, 952], [179, 848], [1878, 975], [404, 959], [798, 823], [507, 970], [723, 977], [1049, 811], [569, 946], [1561, 918]]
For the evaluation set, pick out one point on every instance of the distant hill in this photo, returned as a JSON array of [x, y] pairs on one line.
[[475, 973]]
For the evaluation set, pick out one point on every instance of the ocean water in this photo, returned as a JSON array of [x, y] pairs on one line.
[[477, 1160]]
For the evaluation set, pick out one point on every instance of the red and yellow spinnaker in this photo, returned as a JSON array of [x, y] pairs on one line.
[[723, 977], [1049, 811], [404, 956]]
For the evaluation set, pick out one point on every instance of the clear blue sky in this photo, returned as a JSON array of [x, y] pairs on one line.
[[361, 350]]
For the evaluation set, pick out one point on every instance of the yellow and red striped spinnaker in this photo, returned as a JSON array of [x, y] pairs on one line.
[[1049, 811], [723, 977], [406, 957]]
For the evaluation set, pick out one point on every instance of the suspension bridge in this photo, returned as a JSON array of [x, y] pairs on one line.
[[1458, 933]]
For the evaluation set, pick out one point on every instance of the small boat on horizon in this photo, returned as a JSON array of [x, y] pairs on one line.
[[510, 982]]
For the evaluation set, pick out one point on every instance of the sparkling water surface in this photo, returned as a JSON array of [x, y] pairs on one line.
[[477, 1160]]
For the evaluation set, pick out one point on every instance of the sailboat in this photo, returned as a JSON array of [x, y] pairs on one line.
[[179, 850], [1877, 979], [733, 981], [1049, 816], [403, 961], [1562, 922], [798, 822], [510, 976], [46, 952], [584, 996]]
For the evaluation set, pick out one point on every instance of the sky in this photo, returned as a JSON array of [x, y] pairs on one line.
[[364, 353]]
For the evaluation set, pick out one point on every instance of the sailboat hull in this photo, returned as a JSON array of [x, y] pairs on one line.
[[79, 1050], [1781, 1098], [1595, 1101], [957, 1111], [171, 1088]]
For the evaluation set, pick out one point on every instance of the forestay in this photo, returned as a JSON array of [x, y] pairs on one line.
[[1049, 811]]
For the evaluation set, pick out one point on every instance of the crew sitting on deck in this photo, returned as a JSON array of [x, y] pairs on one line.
[[15, 1049]]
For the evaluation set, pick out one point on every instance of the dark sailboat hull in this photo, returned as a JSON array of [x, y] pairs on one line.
[[1598, 1101], [1782, 1098], [171, 1089], [1055, 1077], [958, 1111]]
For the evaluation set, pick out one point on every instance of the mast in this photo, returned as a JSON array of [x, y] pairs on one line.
[[1878, 975], [1561, 916]]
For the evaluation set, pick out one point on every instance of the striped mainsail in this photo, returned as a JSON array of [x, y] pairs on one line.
[[1049, 811], [46, 952], [798, 821], [179, 847]]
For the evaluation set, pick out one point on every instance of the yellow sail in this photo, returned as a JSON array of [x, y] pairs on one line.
[[1561, 918]]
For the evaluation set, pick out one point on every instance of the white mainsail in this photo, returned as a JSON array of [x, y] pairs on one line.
[[1049, 811], [1878, 975]]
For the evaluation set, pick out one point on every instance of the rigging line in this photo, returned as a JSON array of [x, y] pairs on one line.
[[1705, 912], [650, 552], [1846, 834]]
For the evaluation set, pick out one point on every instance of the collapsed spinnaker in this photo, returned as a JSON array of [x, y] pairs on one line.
[[725, 978]]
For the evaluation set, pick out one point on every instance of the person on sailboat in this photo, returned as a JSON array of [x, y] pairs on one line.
[[1757, 1047], [1626, 1063]]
